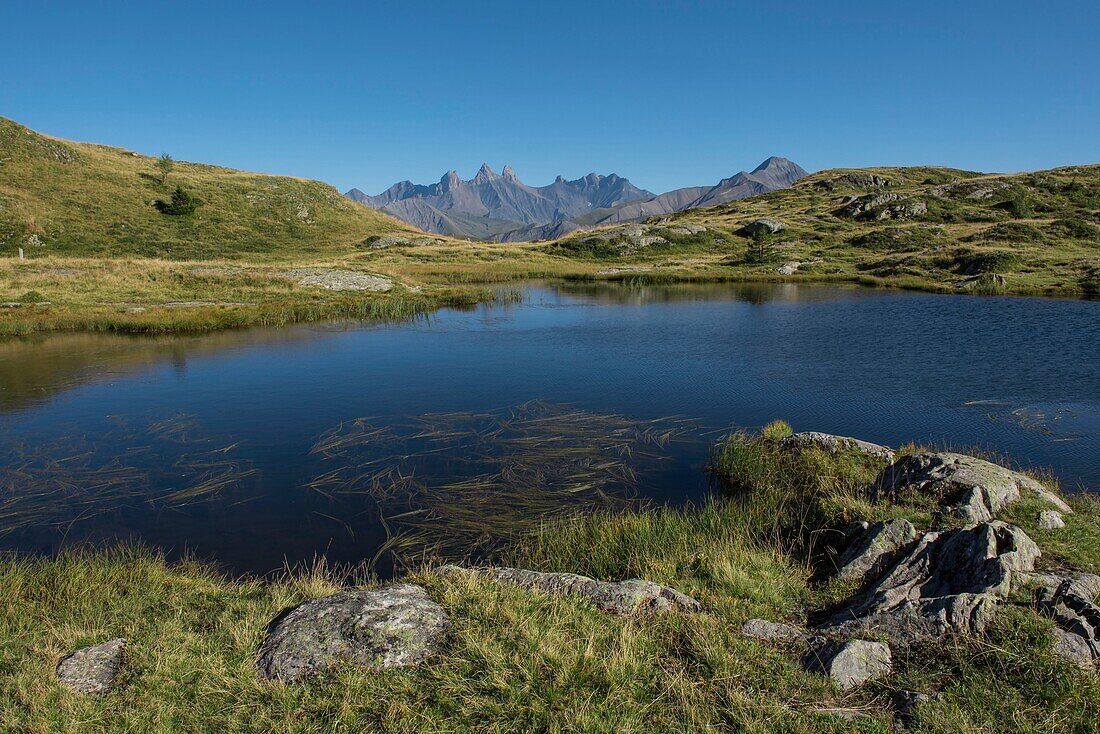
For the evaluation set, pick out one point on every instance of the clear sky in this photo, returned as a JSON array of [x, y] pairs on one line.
[[668, 94]]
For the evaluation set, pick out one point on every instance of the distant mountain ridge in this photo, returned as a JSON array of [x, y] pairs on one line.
[[500, 207]]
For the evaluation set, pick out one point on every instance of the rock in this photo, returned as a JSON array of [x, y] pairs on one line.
[[11, 304], [340, 280], [381, 243], [92, 670], [381, 628], [835, 444], [880, 207], [905, 705], [648, 241], [789, 268], [972, 489], [1051, 520], [874, 548], [765, 225], [993, 279], [135, 309], [616, 597], [762, 629], [1082, 584], [854, 180], [851, 663], [949, 581], [1078, 619]]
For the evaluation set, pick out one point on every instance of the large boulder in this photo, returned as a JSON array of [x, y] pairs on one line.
[[92, 670], [949, 581], [382, 628], [851, 663], [973, 489], [617, 597], [880, 207], [764, 225], [836, 444], [875, 547]]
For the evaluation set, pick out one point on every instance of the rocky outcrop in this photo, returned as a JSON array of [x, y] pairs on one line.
[[949, 581], [92, 670], [382, 628], [765, 225], [854, 180], [789, 268], [875, 547], [335, 279], [880, 207], [762, 629], [1078, 618], [971, 489], [851, 663], [617, 597], [835, 444]]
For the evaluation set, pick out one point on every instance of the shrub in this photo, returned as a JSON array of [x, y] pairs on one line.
[[32, 297], [1075, 228], [1009, 232], [1020, 206], [182, 203], [992, 261], [777, 430]]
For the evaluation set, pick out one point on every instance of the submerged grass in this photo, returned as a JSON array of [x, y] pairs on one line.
[[517, 661]]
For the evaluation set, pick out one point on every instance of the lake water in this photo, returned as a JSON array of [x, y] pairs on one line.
[[265, 447]]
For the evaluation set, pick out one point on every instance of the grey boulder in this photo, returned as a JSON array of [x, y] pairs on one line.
[[617, 597], [875, 547], [762, 629], [973, 489], [949, 581], [1051, 520], [764, 225], [1078, 618], [836, 444], [91, 670], [851, 663], [382, 628]]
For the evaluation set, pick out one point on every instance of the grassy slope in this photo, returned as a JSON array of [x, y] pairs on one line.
[[518, 661], [1040, 230]]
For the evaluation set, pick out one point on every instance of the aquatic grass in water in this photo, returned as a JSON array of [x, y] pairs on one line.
[[458, 484], [167, 463]]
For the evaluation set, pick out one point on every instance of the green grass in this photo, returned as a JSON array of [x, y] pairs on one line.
[[518, 661]]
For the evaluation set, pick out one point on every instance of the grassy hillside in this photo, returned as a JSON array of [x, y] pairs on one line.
[[935, 228], [63, 198]]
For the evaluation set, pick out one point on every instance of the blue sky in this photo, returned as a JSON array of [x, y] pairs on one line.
[[667, 93]]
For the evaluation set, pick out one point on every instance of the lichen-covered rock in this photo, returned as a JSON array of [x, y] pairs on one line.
[[762, 629], [851, 663], [972, 489], [381, 628], [764, 225], [92, 670], [836, 444], [1078, 619], [880, 207], [1051, 520], [875, 547], [616, 597], [945, 581], [789, 268]]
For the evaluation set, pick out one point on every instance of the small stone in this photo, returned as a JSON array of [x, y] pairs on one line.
[[762, 629], [1051, 520], [382, 628], [851, 663], [91, 670]]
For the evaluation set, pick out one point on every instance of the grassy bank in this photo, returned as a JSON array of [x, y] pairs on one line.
[[518, 661]]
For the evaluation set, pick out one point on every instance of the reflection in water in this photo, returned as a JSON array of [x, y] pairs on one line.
[[251, 447]]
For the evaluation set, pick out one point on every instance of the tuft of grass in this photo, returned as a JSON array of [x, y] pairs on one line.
[[777, 430]]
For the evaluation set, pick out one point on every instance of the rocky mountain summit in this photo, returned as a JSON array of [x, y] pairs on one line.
[[500, 207]]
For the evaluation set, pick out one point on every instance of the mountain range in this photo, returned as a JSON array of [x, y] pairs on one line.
[[500, 207]]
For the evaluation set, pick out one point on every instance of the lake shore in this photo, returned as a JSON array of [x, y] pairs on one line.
[[152, 296], [760, 551]]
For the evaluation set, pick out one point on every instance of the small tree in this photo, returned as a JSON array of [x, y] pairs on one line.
[[182, 203], [761, 249], [165, 165]]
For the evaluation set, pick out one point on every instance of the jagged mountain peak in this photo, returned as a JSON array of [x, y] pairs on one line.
[[485, 173], [509, 174]]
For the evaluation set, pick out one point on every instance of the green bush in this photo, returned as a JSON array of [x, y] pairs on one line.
[[992, 261], [182, 203], [1009, 232], [32, 297], [1075, 228]]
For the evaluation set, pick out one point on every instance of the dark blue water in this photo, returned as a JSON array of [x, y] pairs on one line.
[[208, 444]]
